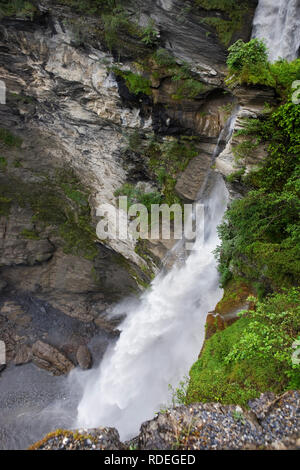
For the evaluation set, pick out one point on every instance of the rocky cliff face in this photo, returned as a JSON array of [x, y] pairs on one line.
[[64, 127]]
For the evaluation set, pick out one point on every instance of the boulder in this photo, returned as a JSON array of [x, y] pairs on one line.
[[49, 358], [84, 357]]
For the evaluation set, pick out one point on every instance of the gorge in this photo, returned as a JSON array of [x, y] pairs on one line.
[[92, 112]]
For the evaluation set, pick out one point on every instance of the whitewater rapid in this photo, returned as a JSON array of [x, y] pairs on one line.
[[277, 22]]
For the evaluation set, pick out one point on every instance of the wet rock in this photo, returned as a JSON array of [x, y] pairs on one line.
[[84, 357], [49, 358]]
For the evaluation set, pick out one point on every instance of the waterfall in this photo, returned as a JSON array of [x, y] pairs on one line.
[[162, 334], [277, 22], [160, 338]]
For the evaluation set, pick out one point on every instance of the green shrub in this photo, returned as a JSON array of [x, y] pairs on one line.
[[135, 83], [252, 356], [248, 63], [150, 34], [261, 235]]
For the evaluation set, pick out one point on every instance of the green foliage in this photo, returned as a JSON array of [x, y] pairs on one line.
[[187, 89], [116, 23], [9, 139], [59, 203], [167, 161], [3, 164], [138, 196], [178, 394], [231, 20], [261, 234], [285, 73], [18, 8], [135, 83], [235, 176], [150, 34], [252, 356], [248, 63], [163, 58], [30, 234]]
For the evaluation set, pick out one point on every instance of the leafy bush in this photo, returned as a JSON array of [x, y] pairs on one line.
[[261, 234], [252, 356], [248, 63]]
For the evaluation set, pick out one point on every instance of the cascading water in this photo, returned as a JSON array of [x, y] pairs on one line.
[[161, 335], [277, 22]]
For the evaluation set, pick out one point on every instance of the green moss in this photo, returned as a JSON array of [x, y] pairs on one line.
[[30, 234], [235, 294], [135, 83], [18, 8], [60, 203], [232, 21], [187, 89], [9, 139], [261, 235], [5, 204], [138, 196], [236, 176], [167, 161], [252, 356], [3, 164]]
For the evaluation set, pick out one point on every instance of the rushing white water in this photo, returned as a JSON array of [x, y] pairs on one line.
[[278, 23], [160, 338]]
